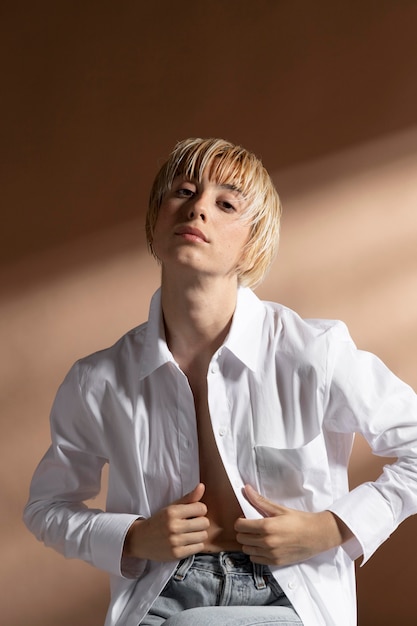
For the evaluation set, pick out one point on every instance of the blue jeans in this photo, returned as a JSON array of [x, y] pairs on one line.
[[221, 589]]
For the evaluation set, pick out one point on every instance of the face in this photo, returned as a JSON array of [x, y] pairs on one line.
[[200, 228]]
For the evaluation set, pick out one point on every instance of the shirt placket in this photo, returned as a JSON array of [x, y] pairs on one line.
[[187, 435], [220, 414]]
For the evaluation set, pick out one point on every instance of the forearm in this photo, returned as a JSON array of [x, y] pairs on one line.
[[78, 532], [332, 531], [130, 545]]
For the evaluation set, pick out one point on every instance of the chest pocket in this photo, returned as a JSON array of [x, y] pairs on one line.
[[295, 477]]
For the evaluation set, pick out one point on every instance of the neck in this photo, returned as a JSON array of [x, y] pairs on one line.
[[197, 317]]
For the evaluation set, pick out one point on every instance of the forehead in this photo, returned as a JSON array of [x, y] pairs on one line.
[[222, 171]]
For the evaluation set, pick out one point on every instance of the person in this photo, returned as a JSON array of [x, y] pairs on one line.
[[227, 423]]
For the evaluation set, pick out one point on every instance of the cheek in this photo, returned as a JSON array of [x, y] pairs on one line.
[[237, 242], [162, 220], [241, 236], [157, 233], [245, 238]]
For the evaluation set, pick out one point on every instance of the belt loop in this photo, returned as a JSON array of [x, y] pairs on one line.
[[258, 576], [183, 568]]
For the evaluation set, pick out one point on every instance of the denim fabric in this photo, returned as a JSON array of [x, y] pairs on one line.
[[224, 588]]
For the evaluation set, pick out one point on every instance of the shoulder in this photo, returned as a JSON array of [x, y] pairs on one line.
[[304, 342], [99, 387], [264, 330], [115, 363], [291, 328]]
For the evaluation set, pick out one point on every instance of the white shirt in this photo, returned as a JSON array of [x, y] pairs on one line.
[[285, 397]]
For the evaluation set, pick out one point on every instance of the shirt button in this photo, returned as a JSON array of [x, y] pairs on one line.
[[222, 432], [292, 584], [214, 368]]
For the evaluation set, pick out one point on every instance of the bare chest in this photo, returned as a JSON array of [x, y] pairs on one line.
[[223, 507]]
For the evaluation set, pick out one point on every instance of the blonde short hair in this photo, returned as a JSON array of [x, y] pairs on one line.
[[226, 163]]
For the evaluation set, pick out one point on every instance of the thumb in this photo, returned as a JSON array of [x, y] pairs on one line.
[[193, 496], [262, 504]]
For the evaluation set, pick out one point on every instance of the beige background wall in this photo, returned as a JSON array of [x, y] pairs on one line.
[[94, 95]]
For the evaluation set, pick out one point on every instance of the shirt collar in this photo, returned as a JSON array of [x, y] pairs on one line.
[[245, 335], [243, 340], [155, 350]]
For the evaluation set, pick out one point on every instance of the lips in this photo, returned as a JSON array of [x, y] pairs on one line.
[[191, 233]]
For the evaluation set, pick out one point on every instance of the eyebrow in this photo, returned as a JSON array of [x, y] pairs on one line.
[[231, 187]]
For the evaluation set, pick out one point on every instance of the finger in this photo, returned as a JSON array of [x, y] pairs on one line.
[[250, 540], [263, 560], [183, 552], [193, 496], [191, 539], [250, 526], [262, 504], [258, 555], [194, 524], [188, 511]]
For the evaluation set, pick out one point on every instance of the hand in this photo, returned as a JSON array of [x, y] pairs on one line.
[[175, 532], [284, 535]]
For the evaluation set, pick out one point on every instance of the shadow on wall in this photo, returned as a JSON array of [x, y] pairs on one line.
[[348, 251]]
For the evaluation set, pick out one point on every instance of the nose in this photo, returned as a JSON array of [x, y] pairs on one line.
[[197, 209]]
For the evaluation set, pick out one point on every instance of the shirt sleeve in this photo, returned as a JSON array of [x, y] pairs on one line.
[[364, 396], [67, 476]]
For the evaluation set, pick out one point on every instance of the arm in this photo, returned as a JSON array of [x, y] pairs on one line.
[[362, 396], [69, 474]]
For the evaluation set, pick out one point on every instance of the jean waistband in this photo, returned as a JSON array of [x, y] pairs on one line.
[[223, 563]]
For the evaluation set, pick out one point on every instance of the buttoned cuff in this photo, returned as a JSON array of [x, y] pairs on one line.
[[369, 516], [107, 540]]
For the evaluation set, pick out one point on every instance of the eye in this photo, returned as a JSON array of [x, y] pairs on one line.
[[183, 188], [184, 192], [226, 206]]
